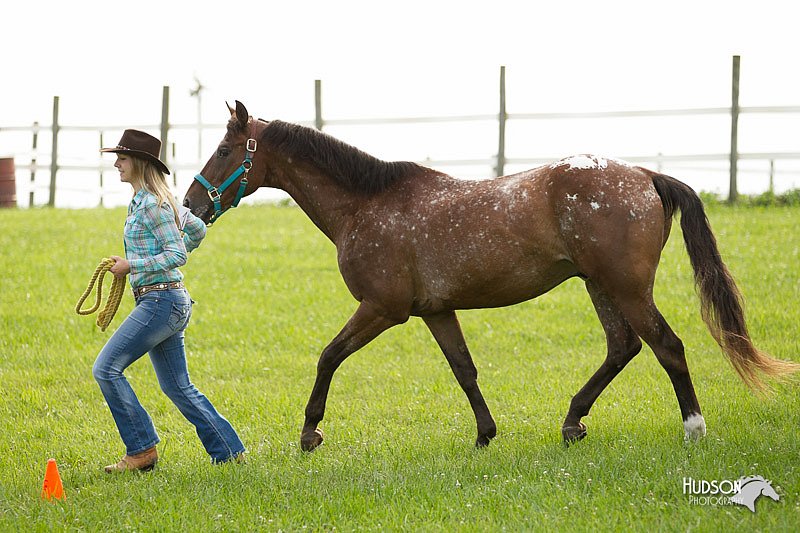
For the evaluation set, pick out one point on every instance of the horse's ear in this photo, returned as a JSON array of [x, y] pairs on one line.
[[241, 114], [232, 110]]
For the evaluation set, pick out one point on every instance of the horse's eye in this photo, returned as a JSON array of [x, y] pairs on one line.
[[223, 152]]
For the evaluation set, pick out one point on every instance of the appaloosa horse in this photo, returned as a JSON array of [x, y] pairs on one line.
[[412, 241]]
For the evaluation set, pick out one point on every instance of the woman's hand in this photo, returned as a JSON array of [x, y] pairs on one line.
[[121, 266]]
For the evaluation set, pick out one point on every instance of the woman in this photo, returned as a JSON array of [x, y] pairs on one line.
[[154, 249]]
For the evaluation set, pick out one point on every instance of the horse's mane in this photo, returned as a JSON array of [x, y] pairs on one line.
[[349, 166], [745, 480]]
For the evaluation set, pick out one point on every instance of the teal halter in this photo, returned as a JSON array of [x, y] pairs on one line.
[[215, 193]]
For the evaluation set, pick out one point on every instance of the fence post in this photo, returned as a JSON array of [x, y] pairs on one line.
[[318, 123], [772, 176], [54, 155], [733, 193], [164, 122], [33, 162], [501, 123], [101, 168]]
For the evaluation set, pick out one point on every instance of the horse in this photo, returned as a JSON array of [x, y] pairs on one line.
[[751, 488], [413, 241]]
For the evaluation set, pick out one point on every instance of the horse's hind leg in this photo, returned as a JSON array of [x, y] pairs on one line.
[[447, 332], [363, 326], [623, 345], [648, 322]]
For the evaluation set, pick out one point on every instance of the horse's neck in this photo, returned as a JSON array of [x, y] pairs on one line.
[[754, 487], [326, 203]]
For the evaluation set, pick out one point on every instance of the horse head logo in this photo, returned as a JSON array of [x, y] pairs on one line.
[[751, 488]]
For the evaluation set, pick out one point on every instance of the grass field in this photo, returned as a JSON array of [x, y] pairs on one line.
[[399, 432]]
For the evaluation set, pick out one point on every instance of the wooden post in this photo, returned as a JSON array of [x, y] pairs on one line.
[[501, 123], [33, 162], [164, 122], [772, 176], [318, 123], [101, 169], [54, 155], [733, 193]]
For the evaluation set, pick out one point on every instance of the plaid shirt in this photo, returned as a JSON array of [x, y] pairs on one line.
[[154, 246]]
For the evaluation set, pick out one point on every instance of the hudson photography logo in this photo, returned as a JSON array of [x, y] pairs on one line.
[[743, 491]]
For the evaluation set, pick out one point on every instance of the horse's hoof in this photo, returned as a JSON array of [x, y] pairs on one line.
[[310, 440], [572, 434], [694, 428], [484, 439]]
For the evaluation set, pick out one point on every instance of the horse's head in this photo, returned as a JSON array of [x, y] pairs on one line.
[[227, 178], [769, 492], [750, 489]]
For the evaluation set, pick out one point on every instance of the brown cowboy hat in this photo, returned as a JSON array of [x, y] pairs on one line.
[[139, 144]]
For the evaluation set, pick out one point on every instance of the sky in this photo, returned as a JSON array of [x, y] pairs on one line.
[[107, 62]]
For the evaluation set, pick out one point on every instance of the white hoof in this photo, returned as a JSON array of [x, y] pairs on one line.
[[695, 427]]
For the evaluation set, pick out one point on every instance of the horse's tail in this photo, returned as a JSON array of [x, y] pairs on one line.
[[721, 301]]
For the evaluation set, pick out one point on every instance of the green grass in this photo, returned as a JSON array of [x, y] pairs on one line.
[[399, 432]]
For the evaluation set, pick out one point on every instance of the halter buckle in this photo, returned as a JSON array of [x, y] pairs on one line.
[[252, 145], [214, 194]]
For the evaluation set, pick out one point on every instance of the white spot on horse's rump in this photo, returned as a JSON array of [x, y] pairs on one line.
[[582, 162], [595, 206], [620, 162], [694, 426], [572, 197]]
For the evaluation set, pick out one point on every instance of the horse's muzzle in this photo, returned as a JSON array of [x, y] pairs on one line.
[[203, 211]]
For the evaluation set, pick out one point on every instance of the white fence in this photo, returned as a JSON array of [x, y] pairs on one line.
[[51, 159]]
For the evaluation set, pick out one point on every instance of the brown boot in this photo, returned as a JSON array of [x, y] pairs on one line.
[[143, 461]]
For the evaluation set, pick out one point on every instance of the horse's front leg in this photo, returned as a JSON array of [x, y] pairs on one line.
[[366, 324], [447, 332]]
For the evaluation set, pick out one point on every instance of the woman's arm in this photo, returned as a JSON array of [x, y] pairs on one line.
[[194, 230]]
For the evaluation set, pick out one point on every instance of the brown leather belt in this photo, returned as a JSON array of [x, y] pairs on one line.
[[140, 291]]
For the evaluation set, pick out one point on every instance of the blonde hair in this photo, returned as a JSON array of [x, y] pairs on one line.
[[148, 176]]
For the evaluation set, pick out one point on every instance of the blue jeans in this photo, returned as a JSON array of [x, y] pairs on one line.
[[157, 325]]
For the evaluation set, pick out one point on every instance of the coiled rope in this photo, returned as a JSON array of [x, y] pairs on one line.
[[114, 298]]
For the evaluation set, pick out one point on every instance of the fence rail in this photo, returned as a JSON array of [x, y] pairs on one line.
[[42, 162]]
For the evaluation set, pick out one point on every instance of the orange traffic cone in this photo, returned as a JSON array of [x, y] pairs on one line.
[[52, 487]]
